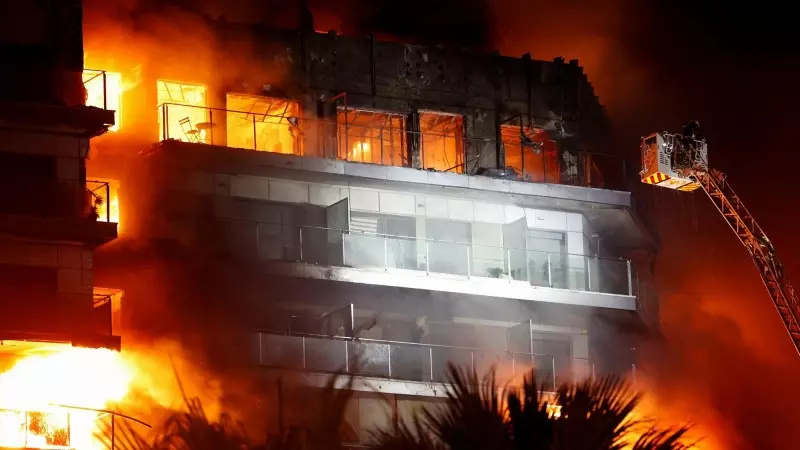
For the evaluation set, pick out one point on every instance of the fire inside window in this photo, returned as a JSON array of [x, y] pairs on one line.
[[442, 143], [105, 199], [183, 107], [104, 92], [371, 137], [264, 124], [531, 153], [29, 429]]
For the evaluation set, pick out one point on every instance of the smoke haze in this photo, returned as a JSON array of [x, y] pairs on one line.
[[726, 361]]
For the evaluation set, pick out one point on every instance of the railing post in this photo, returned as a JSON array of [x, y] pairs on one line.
[[108, 201], [468, 262], [589, 273], [389, 346], [549, 272], [301, 243], [508, 257], [211, 127], [630, 278], [303, 345], [105, 92], [513, 364], [430, 361], [554, 373], [255, 145], [427, 258], [386, 253], [166, 121], [346, 357], [343, 250], [472, 360]]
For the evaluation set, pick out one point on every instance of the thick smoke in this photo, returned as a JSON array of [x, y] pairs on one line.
[[725, 362]]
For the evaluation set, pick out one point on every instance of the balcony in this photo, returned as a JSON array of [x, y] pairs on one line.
[[36, 100], [419, 263], [387, 143], [423, 363], [65, 211]]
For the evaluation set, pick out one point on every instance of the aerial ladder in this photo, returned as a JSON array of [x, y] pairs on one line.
[[680, 162]]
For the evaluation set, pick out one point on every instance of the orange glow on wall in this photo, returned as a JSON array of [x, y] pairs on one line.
[[186, 114], [442, 141], [109, 97], [371, 137], [264, 124]]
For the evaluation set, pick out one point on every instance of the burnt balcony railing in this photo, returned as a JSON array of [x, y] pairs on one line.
[[356, 249], [417, 362], [388, 145]]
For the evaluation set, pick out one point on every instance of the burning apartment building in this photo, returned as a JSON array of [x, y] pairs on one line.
[[323, 203]]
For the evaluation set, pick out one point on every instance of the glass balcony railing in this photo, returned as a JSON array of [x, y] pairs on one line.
[[385, 145], [325, 246], [417, 362]]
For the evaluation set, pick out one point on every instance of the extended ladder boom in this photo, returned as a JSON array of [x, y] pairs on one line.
[[761, 250], [680, 162]]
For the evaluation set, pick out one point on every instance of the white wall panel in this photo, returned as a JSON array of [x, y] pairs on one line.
[[288, 191], [364, 200], [249, 187], [397, 203]]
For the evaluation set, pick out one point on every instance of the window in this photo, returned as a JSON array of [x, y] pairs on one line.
[[183, 107], [371, 137], [536, 160], [104, 91], [264, 124], [441, 141]]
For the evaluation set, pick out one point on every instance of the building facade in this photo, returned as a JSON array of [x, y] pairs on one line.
[[377, 208], [50, 213]]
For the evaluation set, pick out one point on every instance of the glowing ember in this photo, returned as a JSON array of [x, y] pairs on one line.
[[34, 391]]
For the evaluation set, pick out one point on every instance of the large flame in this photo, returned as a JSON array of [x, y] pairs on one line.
[[37, 390]]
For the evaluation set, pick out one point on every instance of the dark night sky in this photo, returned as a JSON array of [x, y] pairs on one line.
[[655, 65]]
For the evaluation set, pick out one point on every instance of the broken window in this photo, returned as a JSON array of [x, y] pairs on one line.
[[371, 137], [264, 124], [441, 143], [183, 107], [531, 153], [104, 90]]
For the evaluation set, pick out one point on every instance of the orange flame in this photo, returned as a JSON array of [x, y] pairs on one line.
[[35, 391]]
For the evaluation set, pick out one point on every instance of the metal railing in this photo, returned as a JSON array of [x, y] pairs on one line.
[[357, 249], [58, 87], [101, 200], [95, 83], [418, 362], [383, 145]]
